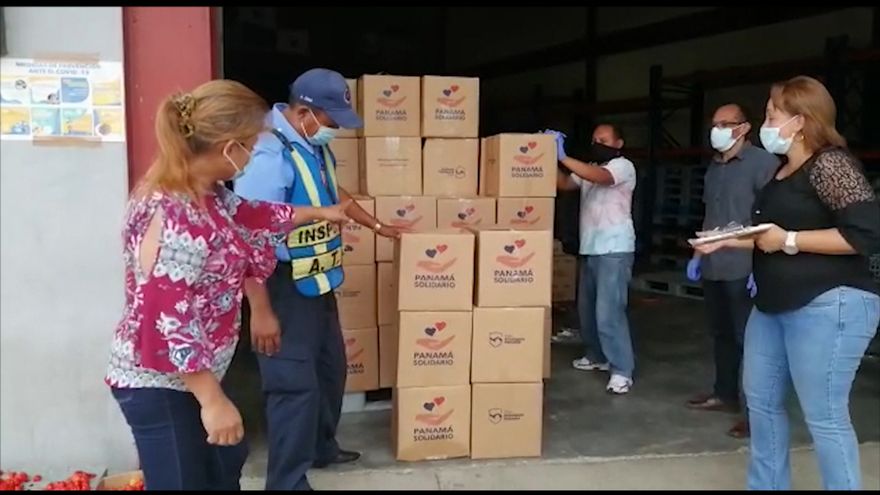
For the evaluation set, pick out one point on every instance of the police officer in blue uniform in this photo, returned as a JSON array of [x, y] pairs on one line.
[[294, 321]]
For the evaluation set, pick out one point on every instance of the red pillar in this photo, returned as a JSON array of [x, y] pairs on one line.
[[167, 49]]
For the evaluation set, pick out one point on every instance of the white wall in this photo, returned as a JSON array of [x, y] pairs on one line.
[[62, 286]]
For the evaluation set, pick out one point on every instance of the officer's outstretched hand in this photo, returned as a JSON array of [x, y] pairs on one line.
[[336, 213], [389, 231]]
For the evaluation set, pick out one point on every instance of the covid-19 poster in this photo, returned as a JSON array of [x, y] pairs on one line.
[[42, 99]]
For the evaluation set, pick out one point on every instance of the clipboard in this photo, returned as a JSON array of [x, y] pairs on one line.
[[710, 236]]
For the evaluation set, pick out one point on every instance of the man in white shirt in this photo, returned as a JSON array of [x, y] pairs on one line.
[[607, 247]]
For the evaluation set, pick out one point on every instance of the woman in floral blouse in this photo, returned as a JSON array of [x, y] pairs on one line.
[[190, 244]]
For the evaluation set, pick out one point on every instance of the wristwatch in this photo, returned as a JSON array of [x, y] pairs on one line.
[[790, 246]]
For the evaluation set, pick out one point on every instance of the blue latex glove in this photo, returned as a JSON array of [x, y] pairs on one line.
[[560, 143], [751, 286], [693, 270]]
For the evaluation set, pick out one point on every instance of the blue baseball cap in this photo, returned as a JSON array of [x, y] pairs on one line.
[[326, 90]]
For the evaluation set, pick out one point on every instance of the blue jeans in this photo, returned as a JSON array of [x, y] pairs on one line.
[[172, 443], [818, 348], [603, 292]]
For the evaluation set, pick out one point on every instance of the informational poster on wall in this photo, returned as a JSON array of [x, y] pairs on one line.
[[77, 99]]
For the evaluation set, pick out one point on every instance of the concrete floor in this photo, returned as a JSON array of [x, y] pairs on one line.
[[725, 471], [673, 359]]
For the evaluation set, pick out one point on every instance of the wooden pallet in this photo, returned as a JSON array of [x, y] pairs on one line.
[[668, 283]]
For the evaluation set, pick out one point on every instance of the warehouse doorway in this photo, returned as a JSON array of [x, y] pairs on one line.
[[556, 88]]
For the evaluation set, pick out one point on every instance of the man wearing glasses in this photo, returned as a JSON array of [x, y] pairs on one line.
[[736, 173]]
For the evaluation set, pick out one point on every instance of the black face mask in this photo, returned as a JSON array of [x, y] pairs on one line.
[[599, 153]]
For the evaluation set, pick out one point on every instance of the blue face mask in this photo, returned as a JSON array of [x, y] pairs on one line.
[[238, 171], [773, 142], [322, 137]]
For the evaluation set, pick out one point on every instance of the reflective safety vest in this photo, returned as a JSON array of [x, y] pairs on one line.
[[315, 249]]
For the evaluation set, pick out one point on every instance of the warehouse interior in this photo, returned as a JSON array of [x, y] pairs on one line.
[[659, 73]]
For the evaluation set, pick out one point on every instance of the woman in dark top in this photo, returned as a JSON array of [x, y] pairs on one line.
[[817, 306]]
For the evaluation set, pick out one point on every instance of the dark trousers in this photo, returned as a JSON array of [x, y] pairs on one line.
[[303, 384], [172, 443], [728, 306]]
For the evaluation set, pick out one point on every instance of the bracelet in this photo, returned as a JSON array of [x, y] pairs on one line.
[[377, 227]]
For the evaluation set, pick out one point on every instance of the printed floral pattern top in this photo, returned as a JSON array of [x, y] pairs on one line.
[[184, 316]]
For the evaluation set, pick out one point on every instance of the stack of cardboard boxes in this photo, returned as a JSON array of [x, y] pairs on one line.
[[432, 396], [455, 317], [520, 170]]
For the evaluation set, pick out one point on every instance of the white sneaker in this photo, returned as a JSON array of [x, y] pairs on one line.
[[585, 364], [619, 384], [564, 335]]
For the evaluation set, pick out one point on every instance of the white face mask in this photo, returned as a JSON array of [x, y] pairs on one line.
[[722, 138], [773, 142], [322, 136], [238, 171]]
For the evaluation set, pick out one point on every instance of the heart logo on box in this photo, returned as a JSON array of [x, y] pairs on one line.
[[520, 243], [439, 400], [348, 248], [447, 92], [454, 88], [430, 331], [410, 207], [524, 149], [394, 87], [431, 252], [440, 325], [386, 93], [509, 249], [401, 212], [529, 209], [429, 406], [350, 342], [532, 145], [521, 214], [442, 248], [462, 216]]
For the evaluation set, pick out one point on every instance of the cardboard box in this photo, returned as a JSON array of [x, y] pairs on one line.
[[390, 166], [388, 338], [450, 107], [436, 271], [362, 358], [482, 188], [465, 213], [389, 105], [347, 157], [514, 267], [352, 89], [359, 242], [429, 423], [356, 297], [507, 420], [434, 348], [507, 345], [386, 294], [415, 213], [526, 213], [564, 278], [548, 332], [450, 167], [521, 165]]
